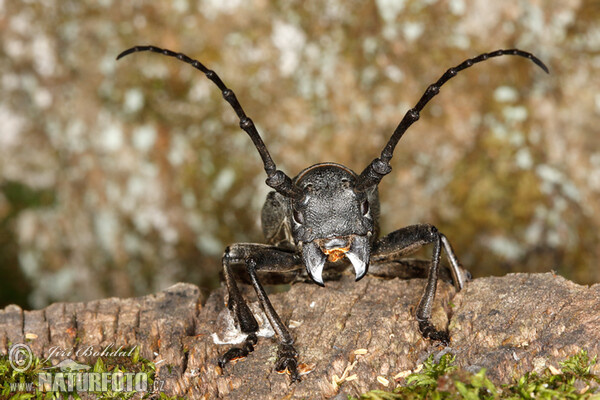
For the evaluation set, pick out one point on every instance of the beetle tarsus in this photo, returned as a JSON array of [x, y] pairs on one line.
[[428, 331], [237, 353], [287, 361]]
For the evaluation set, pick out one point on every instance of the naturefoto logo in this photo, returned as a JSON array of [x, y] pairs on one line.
[[93, 382], [20, 357], [71, 376]]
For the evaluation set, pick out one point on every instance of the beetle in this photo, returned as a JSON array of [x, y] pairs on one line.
[[327, 215]]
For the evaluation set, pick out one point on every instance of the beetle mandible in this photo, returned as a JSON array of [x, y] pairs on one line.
[[324, 215]]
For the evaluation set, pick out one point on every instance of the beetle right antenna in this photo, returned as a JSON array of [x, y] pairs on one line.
[[276, 179], [380, 167]]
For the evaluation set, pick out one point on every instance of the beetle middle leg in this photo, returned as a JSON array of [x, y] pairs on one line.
[[259, 257], [408, 240]]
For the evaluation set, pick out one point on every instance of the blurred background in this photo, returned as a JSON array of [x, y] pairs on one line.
[[122, 178]]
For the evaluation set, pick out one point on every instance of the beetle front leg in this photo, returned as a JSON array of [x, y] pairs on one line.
[[287, 356], [424, 308], [269, 259], [408, 240], [241, 313]]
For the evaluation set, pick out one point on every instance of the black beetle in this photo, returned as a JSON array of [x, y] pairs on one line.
[[327, 214]]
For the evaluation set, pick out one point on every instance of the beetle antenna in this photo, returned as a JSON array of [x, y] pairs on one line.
[[276, 179], [380, 167]]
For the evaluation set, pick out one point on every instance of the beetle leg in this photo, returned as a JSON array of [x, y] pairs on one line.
[[424, 308], [241, 313], [287, 356], [269, 259], [408, 240]]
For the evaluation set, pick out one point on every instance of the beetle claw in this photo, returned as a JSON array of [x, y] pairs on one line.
[[238, 353], [429, 332], [287, 362]]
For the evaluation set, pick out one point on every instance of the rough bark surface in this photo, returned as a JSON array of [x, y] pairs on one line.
[[508, 325]]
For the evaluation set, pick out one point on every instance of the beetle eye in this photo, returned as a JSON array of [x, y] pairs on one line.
[[364, 207], [298, 218]]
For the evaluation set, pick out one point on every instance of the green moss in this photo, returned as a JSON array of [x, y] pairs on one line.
[[443, 380]]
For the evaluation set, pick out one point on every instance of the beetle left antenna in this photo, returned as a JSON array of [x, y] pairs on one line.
[[380, 167], [276, 179]]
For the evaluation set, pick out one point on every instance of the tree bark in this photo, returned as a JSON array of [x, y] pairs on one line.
[[357, 330]]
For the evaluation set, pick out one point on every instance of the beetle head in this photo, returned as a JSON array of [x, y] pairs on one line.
[[332, 220]]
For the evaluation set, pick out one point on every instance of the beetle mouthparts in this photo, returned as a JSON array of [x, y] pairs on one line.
[[316, 253], [336, 254], [359, 255], [314, 260]]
